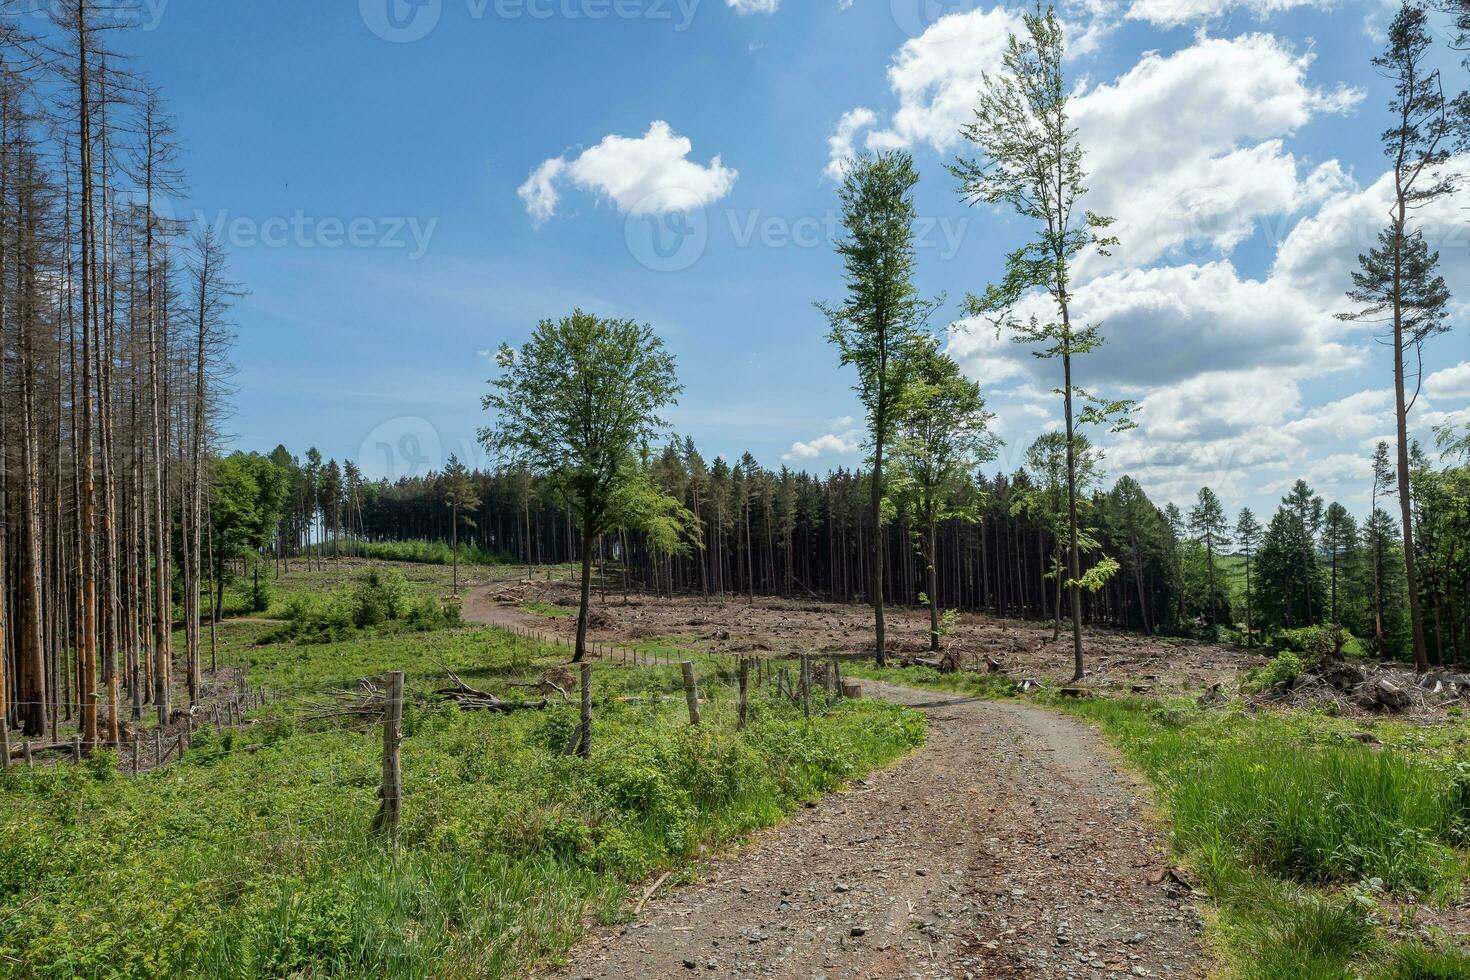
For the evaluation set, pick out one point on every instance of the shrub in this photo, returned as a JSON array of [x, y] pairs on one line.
[[1313, 643], [1285, 668], [381, 596], [256, 593]]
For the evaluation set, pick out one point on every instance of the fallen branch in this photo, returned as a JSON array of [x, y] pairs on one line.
[[648, 892]]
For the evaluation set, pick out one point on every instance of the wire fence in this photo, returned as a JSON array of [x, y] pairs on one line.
[[139, 750]]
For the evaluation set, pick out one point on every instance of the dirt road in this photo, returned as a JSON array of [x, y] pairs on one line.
[[1009, 846]]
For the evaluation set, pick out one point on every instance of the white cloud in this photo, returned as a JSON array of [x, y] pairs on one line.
[[1185, 150], [1321, 251], [936, 76], [538, 193], [1452, 382], [840, 143], [650, 174], [1192, 152], [1174, 13], [744, 7], [833, 443], [1166, 324]]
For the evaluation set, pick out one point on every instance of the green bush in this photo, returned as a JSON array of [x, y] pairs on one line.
[[256, 593], [382, 596], [1285, 668], [1313, 643], [421, 553]]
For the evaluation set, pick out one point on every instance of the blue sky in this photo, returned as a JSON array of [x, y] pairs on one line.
[[403, 186]]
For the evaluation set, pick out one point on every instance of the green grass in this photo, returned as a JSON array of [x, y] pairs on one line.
[[416, 552], [254, 857], [549, 610]]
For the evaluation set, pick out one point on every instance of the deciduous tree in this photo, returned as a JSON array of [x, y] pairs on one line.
[[574, 405]]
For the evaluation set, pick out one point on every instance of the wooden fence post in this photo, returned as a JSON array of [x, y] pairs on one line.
[[585, 750], [806, 685], [392, 789], [76, 748], [837, 675], [744, 693], [157, 748], [691, 692], [136, 738]]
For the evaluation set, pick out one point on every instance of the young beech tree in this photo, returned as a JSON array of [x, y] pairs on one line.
[[1397, 284], [1207, 521], [1031, 160], [878, 324], [461, 498], [942, 435], [575, 405], [1046, 502], [1248, 537]]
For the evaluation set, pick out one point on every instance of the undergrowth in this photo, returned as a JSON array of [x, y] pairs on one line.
[[254, 857]]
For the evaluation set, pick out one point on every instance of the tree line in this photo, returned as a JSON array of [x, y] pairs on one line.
[[114, 335], [999, 545]]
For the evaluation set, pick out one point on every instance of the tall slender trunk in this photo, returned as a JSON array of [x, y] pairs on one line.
[[87, 641], [583, 609], [1074, 549]]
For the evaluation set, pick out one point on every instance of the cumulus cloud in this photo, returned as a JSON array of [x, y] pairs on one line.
[[1175, 13], [840, 143], [1193, 152], [743, 7], [649, 174], [1452, 382], [841, 443], [1185, 150]]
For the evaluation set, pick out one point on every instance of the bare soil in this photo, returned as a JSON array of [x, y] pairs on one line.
[[1010, 846], [1115, 659]]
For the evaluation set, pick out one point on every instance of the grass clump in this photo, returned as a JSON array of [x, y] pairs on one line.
[[1414, 962], [1284, 668]]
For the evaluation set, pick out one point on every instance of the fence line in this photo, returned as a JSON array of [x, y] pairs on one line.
[[163, 747]]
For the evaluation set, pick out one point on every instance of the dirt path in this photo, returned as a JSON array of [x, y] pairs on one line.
[[1008, 847]]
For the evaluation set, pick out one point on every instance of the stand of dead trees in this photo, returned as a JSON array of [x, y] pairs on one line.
[[113, 334]]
